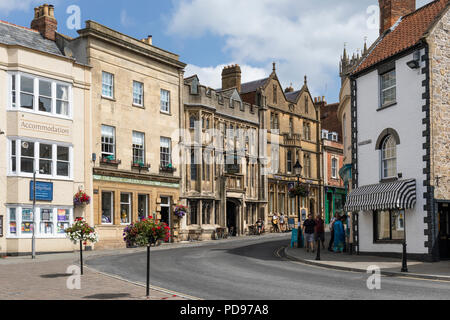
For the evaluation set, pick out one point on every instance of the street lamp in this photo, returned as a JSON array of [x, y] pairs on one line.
[[298, 172]]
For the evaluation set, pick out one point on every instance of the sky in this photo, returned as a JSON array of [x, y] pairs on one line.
[[302, 37]]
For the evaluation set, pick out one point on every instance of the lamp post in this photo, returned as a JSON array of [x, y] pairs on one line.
[[151, 240], [298, 172], [404, 256]]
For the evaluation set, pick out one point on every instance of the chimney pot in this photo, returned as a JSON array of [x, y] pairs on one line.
[[44, 21]]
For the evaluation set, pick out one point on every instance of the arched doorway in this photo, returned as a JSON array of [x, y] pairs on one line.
[[232, 217]]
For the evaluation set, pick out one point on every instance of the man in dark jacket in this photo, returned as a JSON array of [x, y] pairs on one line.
[[308, 229], [320, 231]]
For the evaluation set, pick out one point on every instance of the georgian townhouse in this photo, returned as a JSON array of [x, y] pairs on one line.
[[136, 99], [44, 129], [221, 184], [400, 134]]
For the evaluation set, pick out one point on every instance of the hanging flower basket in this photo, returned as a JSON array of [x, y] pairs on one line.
[[81, 231], [81, 199], [146, 232], [180, 211], [301, 190]]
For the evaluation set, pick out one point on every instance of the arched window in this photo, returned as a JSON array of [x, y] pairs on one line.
[[389, 158]]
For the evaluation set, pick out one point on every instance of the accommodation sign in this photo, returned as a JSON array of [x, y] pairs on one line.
[[44, 127]]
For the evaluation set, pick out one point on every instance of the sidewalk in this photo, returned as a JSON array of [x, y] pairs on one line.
[[45, 278], [355, 263]]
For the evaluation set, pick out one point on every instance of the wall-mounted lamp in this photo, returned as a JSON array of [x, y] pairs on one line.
[[94, 157], [415, 62]]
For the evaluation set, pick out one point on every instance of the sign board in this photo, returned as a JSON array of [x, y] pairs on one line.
[[44, 191]]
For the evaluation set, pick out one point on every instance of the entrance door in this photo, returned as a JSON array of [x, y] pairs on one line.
[[165, 210], [231, 217], [444, 230]]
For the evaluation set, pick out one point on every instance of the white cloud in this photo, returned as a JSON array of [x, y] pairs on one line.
[[303, 37], [8, 6], [212, 76], [125, 20]]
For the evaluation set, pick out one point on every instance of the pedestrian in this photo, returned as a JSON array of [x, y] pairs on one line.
[[259, 226], [275, 223], [308, 229], [339, 235], [320, 231], [282, 223], [333, 220]]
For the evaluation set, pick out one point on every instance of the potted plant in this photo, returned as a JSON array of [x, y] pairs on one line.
[[81, 198], [82, 232], [180, 211], [299, 190], [146, 232]]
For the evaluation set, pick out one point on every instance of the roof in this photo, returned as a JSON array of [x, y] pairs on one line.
[[405, 35], [292, 96], [11, 34], [253, 86]]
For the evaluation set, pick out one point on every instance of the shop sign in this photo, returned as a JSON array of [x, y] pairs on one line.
[[44, 191]]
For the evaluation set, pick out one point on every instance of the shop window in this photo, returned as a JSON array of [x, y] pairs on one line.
[[389, 225], [193, 212], [63, 220], [125, 208], [143, 206], [107, 207], [46, 225], [27, 221], [12, 221]]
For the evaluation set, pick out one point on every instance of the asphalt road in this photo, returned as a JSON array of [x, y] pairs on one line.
[[252, 270]]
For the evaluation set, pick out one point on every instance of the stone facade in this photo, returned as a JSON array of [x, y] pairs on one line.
[[135, 130], [220, 193], [439, 54]]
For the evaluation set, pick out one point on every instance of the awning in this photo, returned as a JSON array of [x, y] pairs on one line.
[[383, 196]]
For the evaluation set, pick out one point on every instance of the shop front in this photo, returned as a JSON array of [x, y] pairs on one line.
[[120, 200]]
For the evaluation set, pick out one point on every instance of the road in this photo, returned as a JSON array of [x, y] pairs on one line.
[[253, 270]]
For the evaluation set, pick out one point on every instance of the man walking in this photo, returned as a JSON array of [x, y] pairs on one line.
[[282, 222], [320, 231], [308, 229]]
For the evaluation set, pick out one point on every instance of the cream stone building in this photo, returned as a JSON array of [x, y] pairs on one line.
[[136, 113], [44, 128], [222, 183]]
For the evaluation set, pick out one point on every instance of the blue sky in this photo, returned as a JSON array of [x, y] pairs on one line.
[[301, 36]]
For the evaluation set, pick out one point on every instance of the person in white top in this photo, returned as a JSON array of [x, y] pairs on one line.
[[282, 222], [275, 223]]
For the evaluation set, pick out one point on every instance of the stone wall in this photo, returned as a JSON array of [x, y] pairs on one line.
[[439, 44]]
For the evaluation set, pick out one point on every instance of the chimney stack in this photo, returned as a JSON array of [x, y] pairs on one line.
[[289, 89], [392, 10], [148, 40], [231, 77], [44, 21]]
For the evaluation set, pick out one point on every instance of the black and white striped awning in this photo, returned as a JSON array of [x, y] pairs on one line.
[[383, 196]]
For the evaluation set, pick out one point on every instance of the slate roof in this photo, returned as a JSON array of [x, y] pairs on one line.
[[11, 34], [292, 96], [252, 86], [405, 35]]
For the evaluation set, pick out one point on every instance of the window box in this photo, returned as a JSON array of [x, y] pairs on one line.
[[110, 161], [140, 166], [167, 169]]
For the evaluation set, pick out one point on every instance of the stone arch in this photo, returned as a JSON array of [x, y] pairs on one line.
[[384, 134]]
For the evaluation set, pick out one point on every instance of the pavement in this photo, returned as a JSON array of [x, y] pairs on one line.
[[361, 263], [46, 277]]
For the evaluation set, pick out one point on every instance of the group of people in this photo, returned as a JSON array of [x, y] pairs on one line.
[[314, 231], [279, 223]]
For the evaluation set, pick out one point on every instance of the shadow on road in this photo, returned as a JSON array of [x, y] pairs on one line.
[[259, 251], [55, 275]]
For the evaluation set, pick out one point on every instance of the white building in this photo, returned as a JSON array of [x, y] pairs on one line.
[[392, 120]]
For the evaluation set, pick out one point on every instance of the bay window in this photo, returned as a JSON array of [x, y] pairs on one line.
[[51, 222], [40, 95], [24, 154]]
